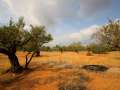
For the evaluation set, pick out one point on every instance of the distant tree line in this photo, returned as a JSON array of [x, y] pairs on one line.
[[107, 38], [76, 46]]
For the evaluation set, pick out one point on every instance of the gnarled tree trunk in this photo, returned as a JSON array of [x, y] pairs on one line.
[[15, 66]]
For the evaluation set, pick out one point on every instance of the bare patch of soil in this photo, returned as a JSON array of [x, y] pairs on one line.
[[95, 68]]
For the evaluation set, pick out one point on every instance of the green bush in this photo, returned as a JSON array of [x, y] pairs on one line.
[[99, 49]]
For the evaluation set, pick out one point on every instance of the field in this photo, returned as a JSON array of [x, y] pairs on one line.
[[63, 71]]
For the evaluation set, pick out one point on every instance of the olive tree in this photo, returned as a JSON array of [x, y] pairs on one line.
[[109, 35], [39, 38], [14, 36]]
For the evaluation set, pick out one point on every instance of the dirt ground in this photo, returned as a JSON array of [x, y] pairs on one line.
[[62, 71]]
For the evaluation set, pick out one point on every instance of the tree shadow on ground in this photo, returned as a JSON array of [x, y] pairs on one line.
[[75, 80], [10, 78]]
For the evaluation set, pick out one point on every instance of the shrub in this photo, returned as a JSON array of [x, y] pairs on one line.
[[99, 49]]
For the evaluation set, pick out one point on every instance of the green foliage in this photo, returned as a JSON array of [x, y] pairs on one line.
[[71, 47], [98, 49], [109, 35], [38, 38], [46, 48], [11, 35], [14, 35], [75, 47]]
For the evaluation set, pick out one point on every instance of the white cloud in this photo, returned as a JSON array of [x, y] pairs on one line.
[[84, 33], [23, 8], [49, 12], [4, 12], [45, 12]]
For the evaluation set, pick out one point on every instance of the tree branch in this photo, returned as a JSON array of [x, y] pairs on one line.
[[26, 41], [27, 57], [31, 57], [4, 51], [29, 60]]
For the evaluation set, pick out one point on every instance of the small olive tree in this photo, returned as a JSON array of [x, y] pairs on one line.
[[39, 38]]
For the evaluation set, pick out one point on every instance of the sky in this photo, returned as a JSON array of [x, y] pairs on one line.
[[67, 20]]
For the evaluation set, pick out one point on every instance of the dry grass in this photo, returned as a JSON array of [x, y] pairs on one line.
[[54, 70]]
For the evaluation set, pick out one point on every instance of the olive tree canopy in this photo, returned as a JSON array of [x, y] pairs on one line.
[[13, 37], [109, 35]]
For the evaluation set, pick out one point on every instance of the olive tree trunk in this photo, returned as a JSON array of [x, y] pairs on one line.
[[15, 66], [37, 53]]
